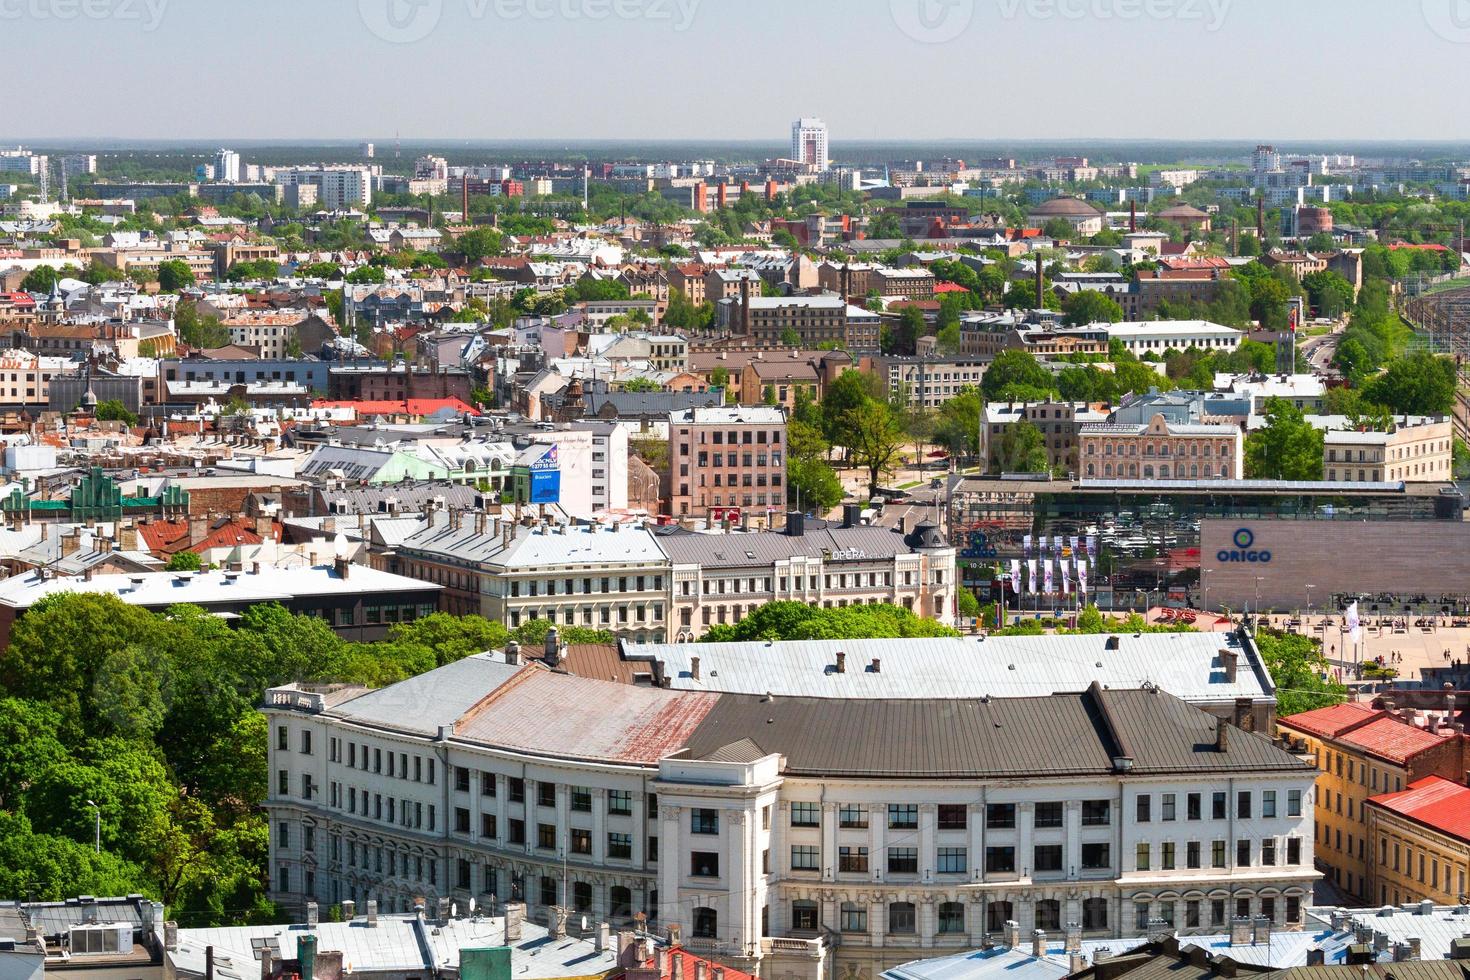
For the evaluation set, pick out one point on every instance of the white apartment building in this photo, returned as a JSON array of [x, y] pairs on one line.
[[22, 161], [722, 578], [796, 835], [809, 143], [1157, 336], [227, 166], [337, 186]]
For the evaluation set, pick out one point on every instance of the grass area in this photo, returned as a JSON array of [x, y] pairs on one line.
[[910, 486]]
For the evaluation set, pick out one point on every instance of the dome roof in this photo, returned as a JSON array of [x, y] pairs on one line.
[[1182, 211], [926, 535], [1065, 207]]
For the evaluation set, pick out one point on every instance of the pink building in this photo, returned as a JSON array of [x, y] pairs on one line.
[[1160, 450], [727, 462]]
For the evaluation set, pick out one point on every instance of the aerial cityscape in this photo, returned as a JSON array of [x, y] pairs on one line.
[[713, 490]]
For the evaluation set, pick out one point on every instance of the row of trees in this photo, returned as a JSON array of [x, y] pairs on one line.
[[153, 717]]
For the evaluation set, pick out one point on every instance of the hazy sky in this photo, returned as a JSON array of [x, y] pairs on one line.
[[736, 69]]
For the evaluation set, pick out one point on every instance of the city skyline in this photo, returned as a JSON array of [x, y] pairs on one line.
[[674, 54]]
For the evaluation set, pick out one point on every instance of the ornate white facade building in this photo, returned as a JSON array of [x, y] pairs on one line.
[[778, 832]]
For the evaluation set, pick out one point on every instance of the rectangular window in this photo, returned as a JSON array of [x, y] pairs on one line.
[[1000, 859], [903, 816], [852, 859], [1268, 803], [619, 803], [1095, 857], [1166, 856], [1095, 813], [1144, 808], [1000, 816], [1048, 816], [806, 815], [1243, 854], [702, 821], [804, 857], [1293, 803], [1217, 854], [1192, 806], [620, 846], [581, 841], [1268, 851], [1217, 806], [545, 794], [854, 917], [1192, 854], [581, 799], [1047, 858], [487, 825], [903, 860], [1141, 854], [1168, 806], [704, 864], [953, 860], [851, 817], [546, 836], [953, 816], [515, 831], [1243, 805], [1294, 851]]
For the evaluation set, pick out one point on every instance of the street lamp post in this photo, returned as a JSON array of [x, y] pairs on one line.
[[97, 827], [1306, 624]]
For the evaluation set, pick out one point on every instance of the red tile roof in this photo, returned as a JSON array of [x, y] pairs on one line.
[[1431, 247], [949, 287], [686, 965], [1434, 801], [1370, 730]]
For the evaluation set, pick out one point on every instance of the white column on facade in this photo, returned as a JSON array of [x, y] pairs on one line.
[[1072, 820], [829, 841], [1025, 827], [928, 826], [669, 850]]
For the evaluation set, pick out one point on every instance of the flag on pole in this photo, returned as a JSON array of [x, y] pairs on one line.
[[1016, 575], [1031, 575], [1082, 577], [1292, 317], [1353, 623], [1026, 545], [1049, 588], [1066, 580]]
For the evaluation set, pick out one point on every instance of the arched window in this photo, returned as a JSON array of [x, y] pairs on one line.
[[951, 917], [1049, 914], [620, 902], [1094, 913], [997, 914], [1224, 471], [1107, 469], [581, 896], [1148, 472], [901, 917], [706, 923], [1209, 470], [1194, 469], [1133, 469], [1164, 471], [1091, 469]]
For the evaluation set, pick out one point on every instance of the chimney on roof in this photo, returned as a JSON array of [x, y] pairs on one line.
[[311, 914], [745, 306], [1038, 943], [1040, 282], [1240, 931], [513, 652], [372, 913], [515, 915], [1222, 734], [1012, 934], [1230, 662], [795, 523], [267, 964], [694, 668], [841, 662], [877, 666]]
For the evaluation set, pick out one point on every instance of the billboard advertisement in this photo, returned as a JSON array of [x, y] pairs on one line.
[[546, 479]]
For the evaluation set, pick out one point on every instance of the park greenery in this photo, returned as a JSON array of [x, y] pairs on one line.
[[154, 717]]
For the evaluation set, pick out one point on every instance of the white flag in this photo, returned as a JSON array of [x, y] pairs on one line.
[[1066, 581], [1049, 588], [1082, 577], [1353, 624], [1016, 575], [1031, 574]]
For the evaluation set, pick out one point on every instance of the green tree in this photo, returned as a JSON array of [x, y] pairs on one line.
[[199, 331], [480, 243], [366, 275], [969, 606], [184, 561], [875, 438], [1288, 447], [1420, 384], [1015, 375], [113, 410], [42, 278], [174, 275], [1302, 675], [1090, 306], [848, 392], [800, 621], [811, 485], [1022, 449]]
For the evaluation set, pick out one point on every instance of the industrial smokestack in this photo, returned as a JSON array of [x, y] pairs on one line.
[[464, 200], [1133, 216], [745, 306], [1260, 219], [1040, 283]]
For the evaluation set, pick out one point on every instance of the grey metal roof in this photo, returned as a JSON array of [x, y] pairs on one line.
[[1271, 486], [423, 703], [1059, 735], [762, 548], [1187, 665]]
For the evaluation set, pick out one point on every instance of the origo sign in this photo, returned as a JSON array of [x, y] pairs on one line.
[[1244, 550]]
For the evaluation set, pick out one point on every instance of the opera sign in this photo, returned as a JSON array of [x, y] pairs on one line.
[[1245, 550]]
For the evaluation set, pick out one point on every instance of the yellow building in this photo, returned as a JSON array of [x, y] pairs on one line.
[[1421, 840], [1364, 752]]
